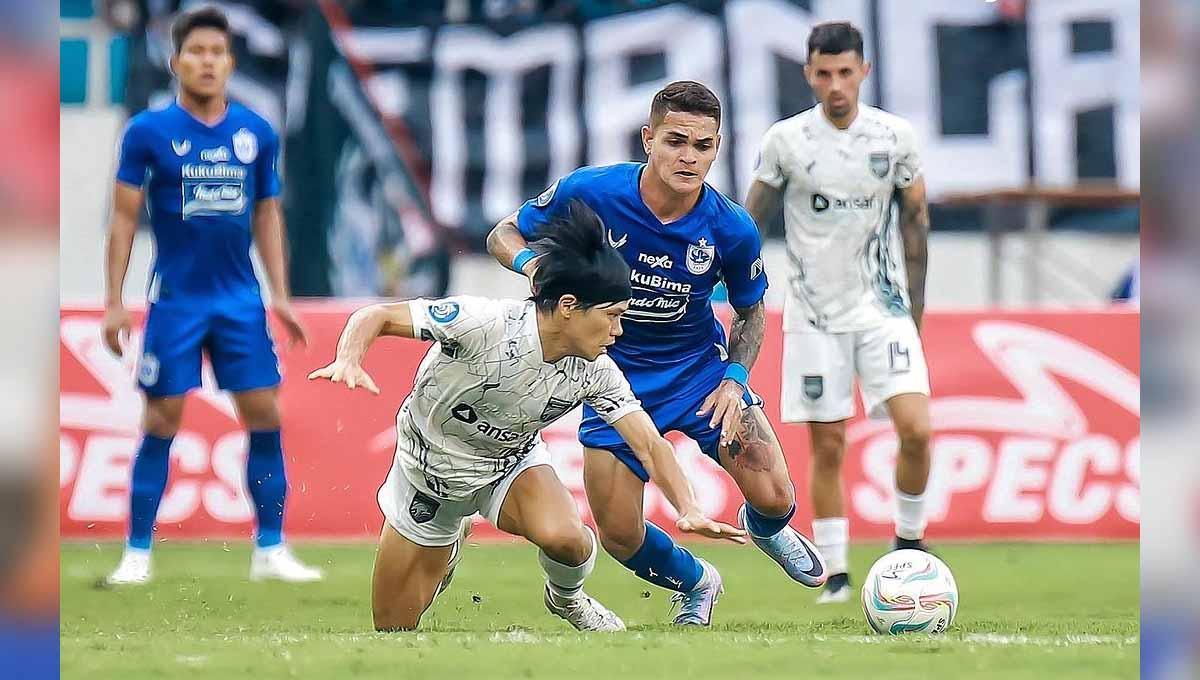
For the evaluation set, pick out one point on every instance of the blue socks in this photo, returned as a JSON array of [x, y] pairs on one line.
[[762, 526], [665, 564], [268, 486], [146, 489]]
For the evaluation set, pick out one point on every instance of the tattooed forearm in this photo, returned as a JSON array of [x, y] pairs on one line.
[[746, 334], [754, 447], [914, 226]]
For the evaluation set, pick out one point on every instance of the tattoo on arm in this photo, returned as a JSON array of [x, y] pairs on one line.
[[746, 334], [914, 226], [755, 445]]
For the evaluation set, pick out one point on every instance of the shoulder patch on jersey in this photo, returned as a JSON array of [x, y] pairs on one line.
[[880, 163], [556, 408], [245, 145], [700, 257], [756, 269], [546, 196], [444, 312]]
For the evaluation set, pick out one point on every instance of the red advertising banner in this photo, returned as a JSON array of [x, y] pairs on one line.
[[1036, 436]]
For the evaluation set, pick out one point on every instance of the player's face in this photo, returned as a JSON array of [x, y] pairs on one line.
[[594, 329], [204, 63], [681, 149], [835, 80]]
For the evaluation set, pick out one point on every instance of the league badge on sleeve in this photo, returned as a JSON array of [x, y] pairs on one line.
[[245, 146], [546, 196], [700, 257], [444, 312]]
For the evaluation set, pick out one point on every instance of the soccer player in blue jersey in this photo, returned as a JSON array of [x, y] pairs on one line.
[[680, 238], [205, 168]]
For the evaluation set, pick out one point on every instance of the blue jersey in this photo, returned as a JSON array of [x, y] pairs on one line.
[[201, 184], [674, 267]]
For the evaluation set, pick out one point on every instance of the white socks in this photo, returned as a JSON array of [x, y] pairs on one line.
[[832, 536], [910, 516], [565, 580]]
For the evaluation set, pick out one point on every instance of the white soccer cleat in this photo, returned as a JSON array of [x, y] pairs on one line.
[[133, 570], [456, 552], [695, 606], [277, 563], [583, 612]]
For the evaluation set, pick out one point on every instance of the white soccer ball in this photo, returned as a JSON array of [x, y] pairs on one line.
[[909, 591]]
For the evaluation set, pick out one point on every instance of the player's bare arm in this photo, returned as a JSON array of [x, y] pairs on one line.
[[269, 237], [658, 457], [763, 203], [745, 341], [362, 328], [505, 241], [127, 201], [914, 228]]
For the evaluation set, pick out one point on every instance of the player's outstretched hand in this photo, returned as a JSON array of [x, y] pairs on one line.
[[725, 404], [346, 372], [116, 325], [287, 316], [696, 523]]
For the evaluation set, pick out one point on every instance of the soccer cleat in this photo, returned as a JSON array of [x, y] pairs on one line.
[[456, 552], [277, 563], [133, 570], [583, 612], [837, 590], [910, 544], [695, 606], [797, 555]]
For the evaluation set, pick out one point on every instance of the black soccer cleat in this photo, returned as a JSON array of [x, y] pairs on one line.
[[837, 589], [910, 544]]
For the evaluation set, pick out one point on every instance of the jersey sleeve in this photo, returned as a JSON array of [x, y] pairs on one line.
[[267, 167], [769, 169], [460, 323], [608, 392], [134, 158], [537, 212], [742, 265], [908, 160]]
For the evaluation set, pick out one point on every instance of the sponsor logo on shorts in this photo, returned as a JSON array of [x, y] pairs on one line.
[[423, 508], [814, 386]]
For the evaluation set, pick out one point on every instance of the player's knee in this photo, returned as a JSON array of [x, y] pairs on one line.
[[828, 450], [778, 501], [914, 439], [622, 542], [161, 420], [566, 542]]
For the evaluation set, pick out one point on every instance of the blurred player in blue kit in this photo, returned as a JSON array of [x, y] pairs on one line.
[[206, 169], [680, 238]]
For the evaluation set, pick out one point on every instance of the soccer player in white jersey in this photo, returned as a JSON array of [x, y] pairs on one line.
[[837, 168], [468, 435]]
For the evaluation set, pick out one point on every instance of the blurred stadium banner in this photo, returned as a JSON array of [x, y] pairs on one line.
[[412, 128], [1036, 418]]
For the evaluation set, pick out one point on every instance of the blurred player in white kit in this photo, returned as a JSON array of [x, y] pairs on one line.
[[856, 284]]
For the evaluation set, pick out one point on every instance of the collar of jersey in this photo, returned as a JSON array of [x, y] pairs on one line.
[[820, 111], [637, 191], [214, 126]]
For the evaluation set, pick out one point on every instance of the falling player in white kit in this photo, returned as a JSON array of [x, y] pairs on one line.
[[836, 168], [468, 435]]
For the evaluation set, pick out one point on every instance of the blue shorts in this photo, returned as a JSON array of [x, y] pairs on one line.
[[235, 337], [671, 407]]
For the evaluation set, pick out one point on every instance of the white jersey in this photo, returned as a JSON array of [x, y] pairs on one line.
[[483, 393], [842, 226]]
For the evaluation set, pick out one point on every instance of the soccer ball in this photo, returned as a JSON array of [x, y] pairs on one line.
[[909, 591]]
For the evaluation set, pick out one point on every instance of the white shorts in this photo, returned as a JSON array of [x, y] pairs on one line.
[[819, 370], [434, 522]]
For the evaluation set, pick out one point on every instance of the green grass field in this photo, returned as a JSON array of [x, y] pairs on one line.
[[1027, 611]]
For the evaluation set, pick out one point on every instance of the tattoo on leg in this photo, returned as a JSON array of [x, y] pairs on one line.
[[752, 448]]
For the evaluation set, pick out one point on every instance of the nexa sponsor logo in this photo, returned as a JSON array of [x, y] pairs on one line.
[[659, 282], [657, 261], [821, 203], [466, 414]]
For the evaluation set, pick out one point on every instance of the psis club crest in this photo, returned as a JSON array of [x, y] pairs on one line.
[[245, 146], [700, 257]]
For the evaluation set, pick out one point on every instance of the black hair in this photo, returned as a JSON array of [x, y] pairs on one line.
[[204, 17], [835, 37], [685, 96], [575, 259]]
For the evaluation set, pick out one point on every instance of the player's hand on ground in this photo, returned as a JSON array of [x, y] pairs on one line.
[[116, 324], [287, 316], [725, 405], [696, 523], [350, 373]]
